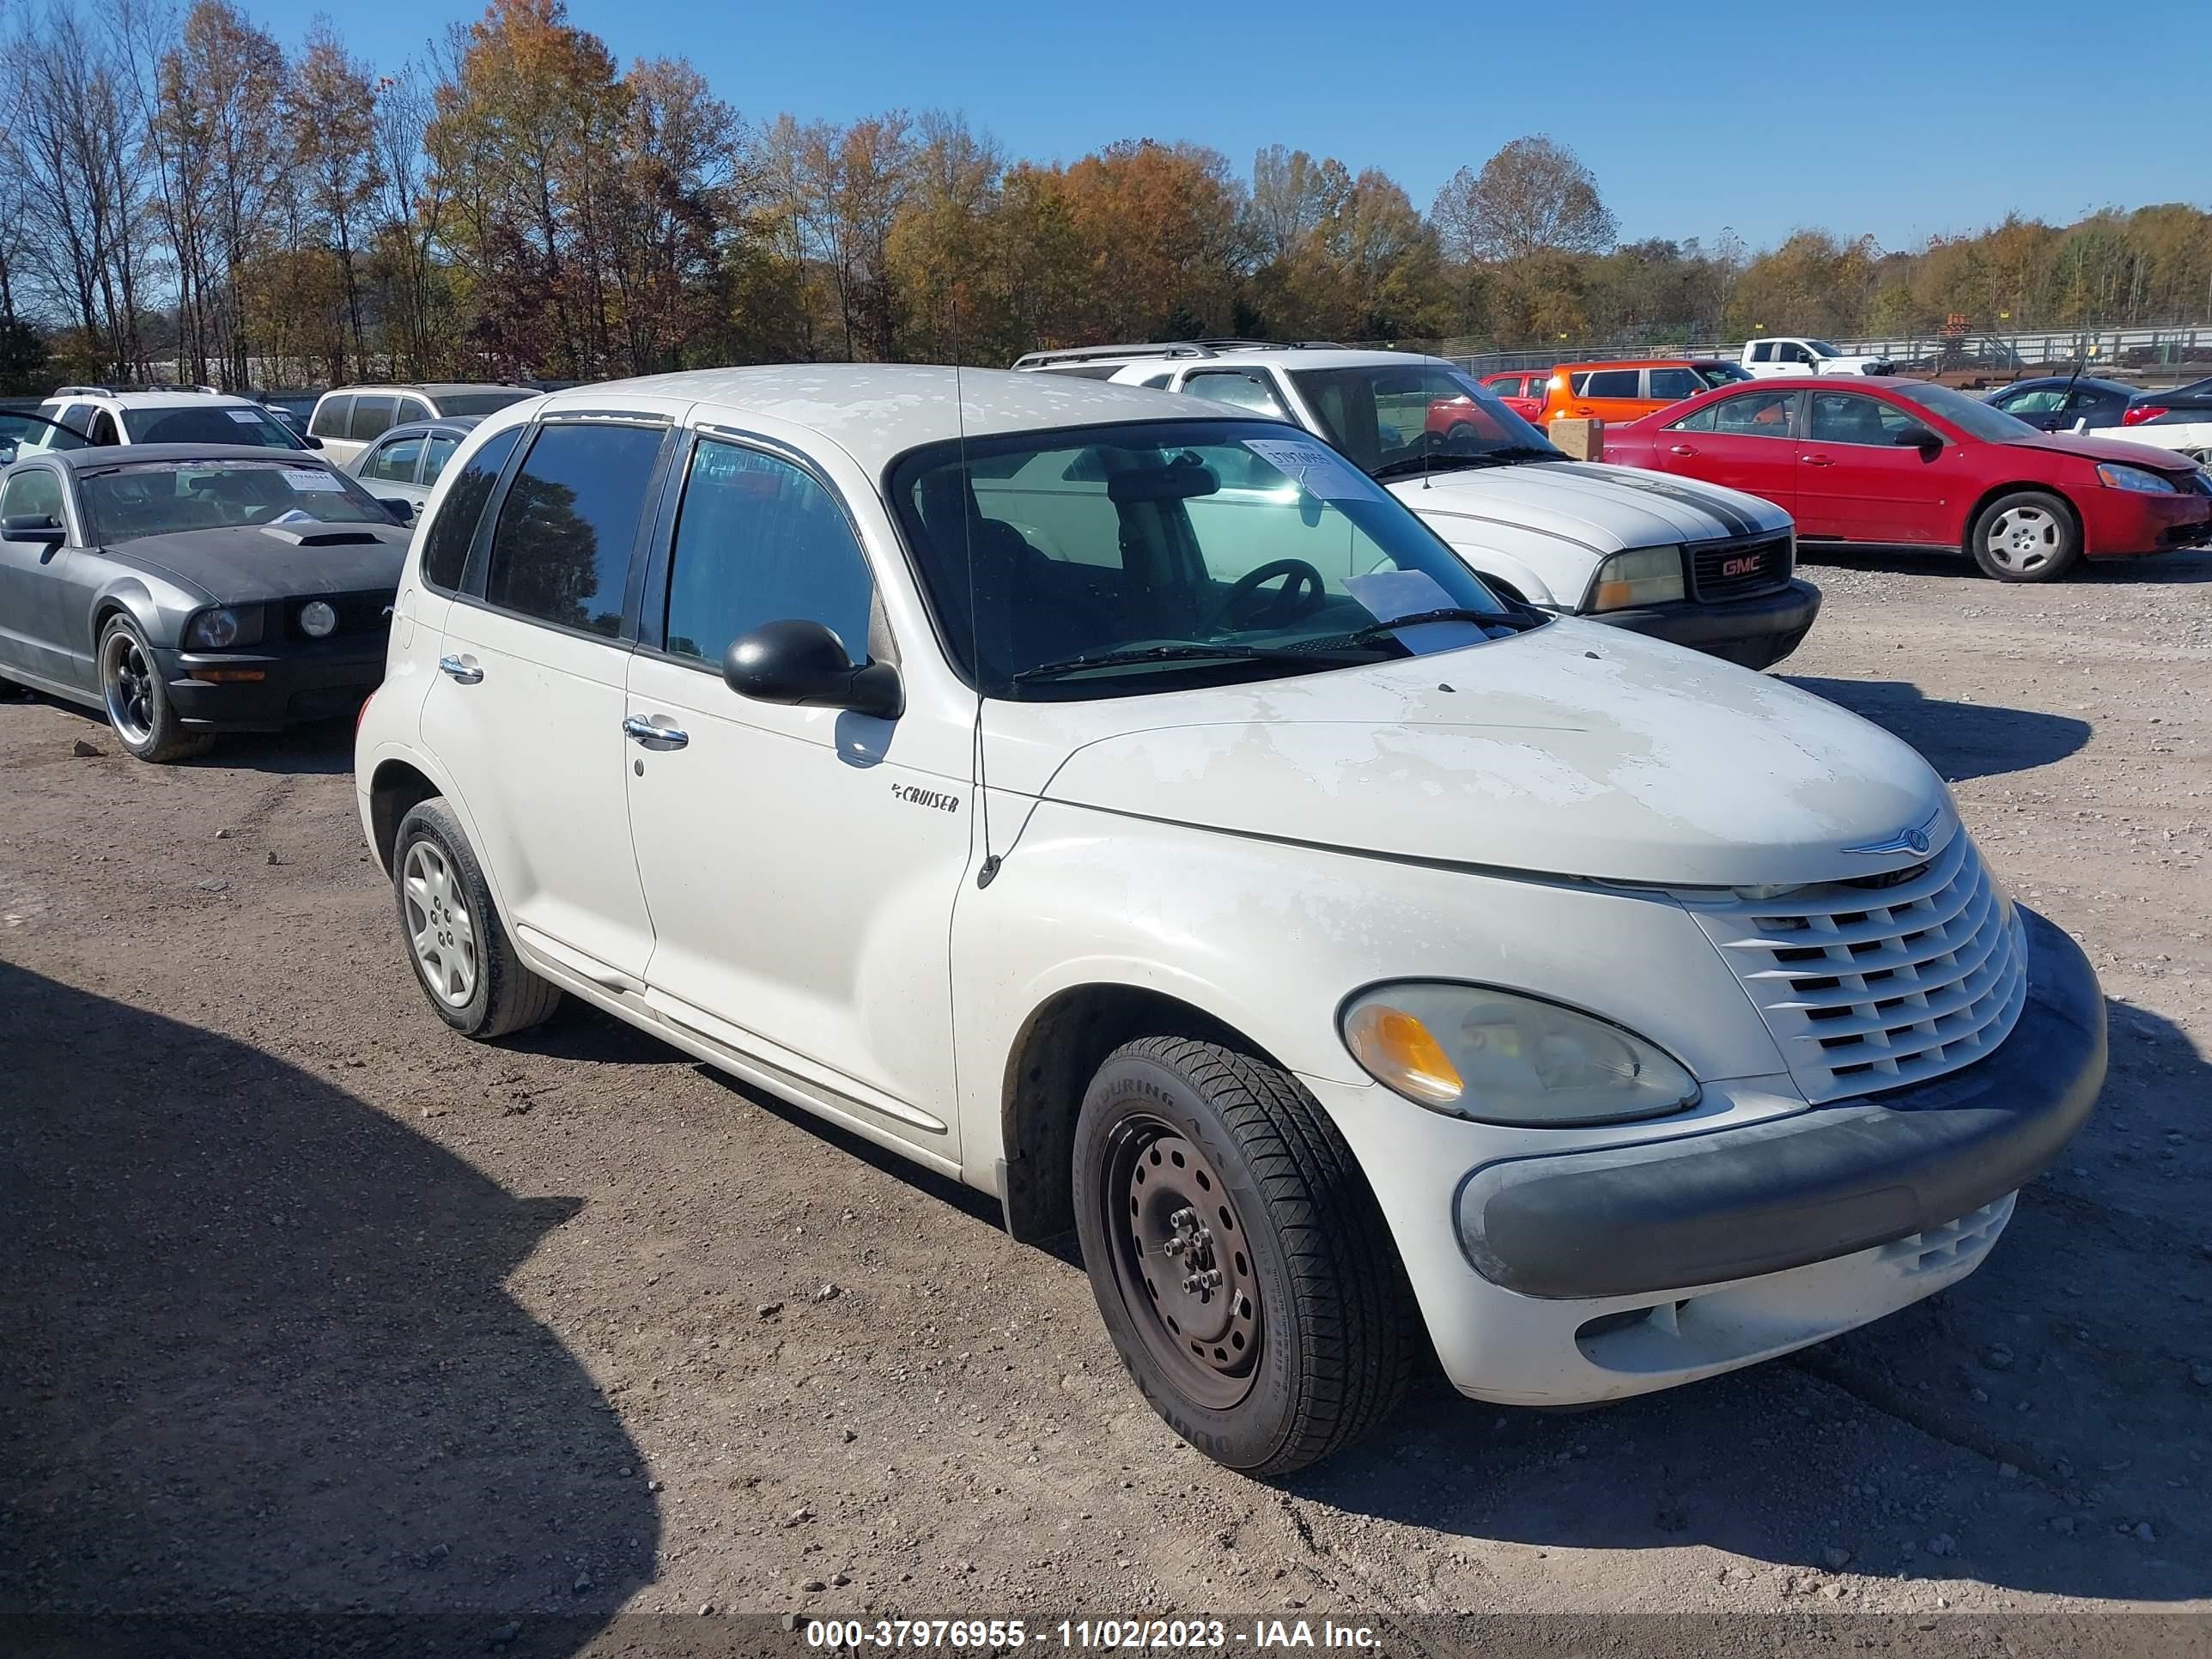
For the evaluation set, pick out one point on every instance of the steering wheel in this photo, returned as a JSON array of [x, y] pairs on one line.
[[1301, 596]]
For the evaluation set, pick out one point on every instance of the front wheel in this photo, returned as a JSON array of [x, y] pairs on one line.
[[139, 708], [1239, 1259], [2026, 536]]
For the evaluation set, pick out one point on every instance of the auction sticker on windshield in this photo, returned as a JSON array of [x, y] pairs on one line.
[[1318, 470], [243, 416], [308, 481]]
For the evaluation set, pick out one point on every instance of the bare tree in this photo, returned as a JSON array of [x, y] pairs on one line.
[[331, 106], [1533, 196]]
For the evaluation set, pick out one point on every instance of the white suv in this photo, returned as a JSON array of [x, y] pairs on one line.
[[166, 415], [1126, 807], [1704, 567]]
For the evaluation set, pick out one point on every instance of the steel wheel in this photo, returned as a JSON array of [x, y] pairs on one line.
[[126, 685], [2024, 539], [439, 926], [1179, 1254]]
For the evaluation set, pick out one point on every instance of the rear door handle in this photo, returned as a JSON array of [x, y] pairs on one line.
[[639, 729], [461, 668]]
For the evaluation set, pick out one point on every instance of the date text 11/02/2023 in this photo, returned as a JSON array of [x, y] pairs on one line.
[[1083, 1635]]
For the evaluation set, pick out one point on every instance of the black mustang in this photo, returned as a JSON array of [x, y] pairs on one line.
[[188, 589]]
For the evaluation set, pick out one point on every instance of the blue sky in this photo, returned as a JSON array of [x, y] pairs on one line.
[[1694, 114]]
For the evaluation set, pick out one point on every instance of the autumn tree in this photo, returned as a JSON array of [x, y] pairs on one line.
[[1533, 196]]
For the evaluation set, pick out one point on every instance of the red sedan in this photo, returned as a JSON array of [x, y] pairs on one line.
[[1521, 390], [1894, 463]]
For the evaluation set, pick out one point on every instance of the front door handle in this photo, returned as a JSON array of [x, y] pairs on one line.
[[639, 729], [1681, 449], [461, 668], [1816, 460]]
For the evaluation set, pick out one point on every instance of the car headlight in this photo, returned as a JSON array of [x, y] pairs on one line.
[[2141, 479], [1501, 1057], [1643, 575], [317, 619], [221, 627]]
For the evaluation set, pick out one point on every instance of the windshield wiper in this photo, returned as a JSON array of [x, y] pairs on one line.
[[1191, 652], [1380, 630]]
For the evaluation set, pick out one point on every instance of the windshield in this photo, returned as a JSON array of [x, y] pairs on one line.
[[480, 403], [156, 498], [1388, 415], [199, 424], [1970, 414], [1722, 374], [1126, 559]]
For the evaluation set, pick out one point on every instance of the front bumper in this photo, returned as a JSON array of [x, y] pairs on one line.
[[1740, 1203], [323, 681], [1756, 632], [2119, 522]]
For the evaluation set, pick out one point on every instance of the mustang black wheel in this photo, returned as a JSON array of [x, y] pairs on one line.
[[463, 958], [137, 703], [1239, 1259]]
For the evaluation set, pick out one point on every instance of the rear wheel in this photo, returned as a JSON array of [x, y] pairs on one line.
[[463, 958], [138, 704], [2025, 535], [1241, 1264]]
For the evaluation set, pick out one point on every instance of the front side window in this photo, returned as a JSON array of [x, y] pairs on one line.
[[1395, 419], [1847, 418], [561, 549], [2042, 400], [160, 498], [1791, 352], [372, 417], [330, 417], [757, 540], [446, 546], [35, 492], [1612, 383], [1231, 386], [395, 462], [1747, 415], [437, 450], [1672, 385], [1113, 560]]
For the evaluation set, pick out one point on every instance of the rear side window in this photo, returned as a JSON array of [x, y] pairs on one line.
[[1763, 352], [395, 462], [1230, 385], [1576, 382], [436, 453], [446, 548], [761, 540], [560, 552], [330, 417], [1674, 383], [371, 418], [1612, 383]]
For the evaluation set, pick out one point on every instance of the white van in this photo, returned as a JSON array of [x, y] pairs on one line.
[[1131, 809]]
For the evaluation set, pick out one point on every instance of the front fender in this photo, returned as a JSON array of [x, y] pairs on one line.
[[159, 608]]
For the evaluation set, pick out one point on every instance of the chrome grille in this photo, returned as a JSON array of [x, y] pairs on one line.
[[1873, 984]]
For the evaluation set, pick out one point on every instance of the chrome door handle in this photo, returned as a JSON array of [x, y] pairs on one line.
[[641, 730], [466, 672]]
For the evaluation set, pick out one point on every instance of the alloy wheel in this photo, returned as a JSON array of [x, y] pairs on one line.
[[439, 926], [127, 683]]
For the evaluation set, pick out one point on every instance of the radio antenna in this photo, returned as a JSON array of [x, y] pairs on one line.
[[968, 508]]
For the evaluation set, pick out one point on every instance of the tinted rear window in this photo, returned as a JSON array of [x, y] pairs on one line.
[[219, 425], [480, 403], [330, 417], [561, 551]]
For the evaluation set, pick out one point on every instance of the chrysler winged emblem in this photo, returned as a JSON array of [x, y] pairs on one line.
[[1912, 839]]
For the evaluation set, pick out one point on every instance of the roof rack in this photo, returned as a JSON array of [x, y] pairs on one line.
[[144, 386], [1209, 348]]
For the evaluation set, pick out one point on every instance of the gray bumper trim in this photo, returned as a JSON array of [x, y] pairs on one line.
[[1702, 1209]]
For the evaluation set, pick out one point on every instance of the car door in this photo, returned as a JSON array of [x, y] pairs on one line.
[[1743, 441], [800, 864], [390, 469], [1863, 474], [1606, 394], [34, 624], [527, 712]]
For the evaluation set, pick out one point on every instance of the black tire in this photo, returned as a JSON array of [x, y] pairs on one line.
[[137, 703], [1335, 1334], [2043, 546], [502, 995]]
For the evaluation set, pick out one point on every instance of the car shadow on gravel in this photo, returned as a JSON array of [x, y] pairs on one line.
[[1961, 740], [2036, 1427], [323, 749], [259, 1357]]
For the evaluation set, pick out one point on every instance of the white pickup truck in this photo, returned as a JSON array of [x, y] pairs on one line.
[[1770, 357]]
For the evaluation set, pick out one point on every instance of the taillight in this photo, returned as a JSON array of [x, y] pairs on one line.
[[361, 713], [2142, 414]]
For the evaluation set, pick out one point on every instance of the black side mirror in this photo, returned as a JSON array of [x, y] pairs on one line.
[[33, 528], [311, 440], [1919, 438], [801, 663], [401, 509]]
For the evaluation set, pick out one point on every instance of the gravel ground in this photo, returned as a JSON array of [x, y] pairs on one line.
[[315, 1306]]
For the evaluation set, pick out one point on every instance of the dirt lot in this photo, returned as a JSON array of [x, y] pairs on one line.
[[313, 1305]]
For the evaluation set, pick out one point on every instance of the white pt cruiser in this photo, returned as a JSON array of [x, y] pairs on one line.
[[1135, 812]]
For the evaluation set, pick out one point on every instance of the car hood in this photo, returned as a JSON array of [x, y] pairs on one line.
[[2103, 449], [1574, 749], [1607, 509], [238, 563]]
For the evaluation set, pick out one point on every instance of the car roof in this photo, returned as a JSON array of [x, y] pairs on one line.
[[105, 455], [2061, 380], [877, 411], [1639, 362], [128, 400], [427, 388]]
